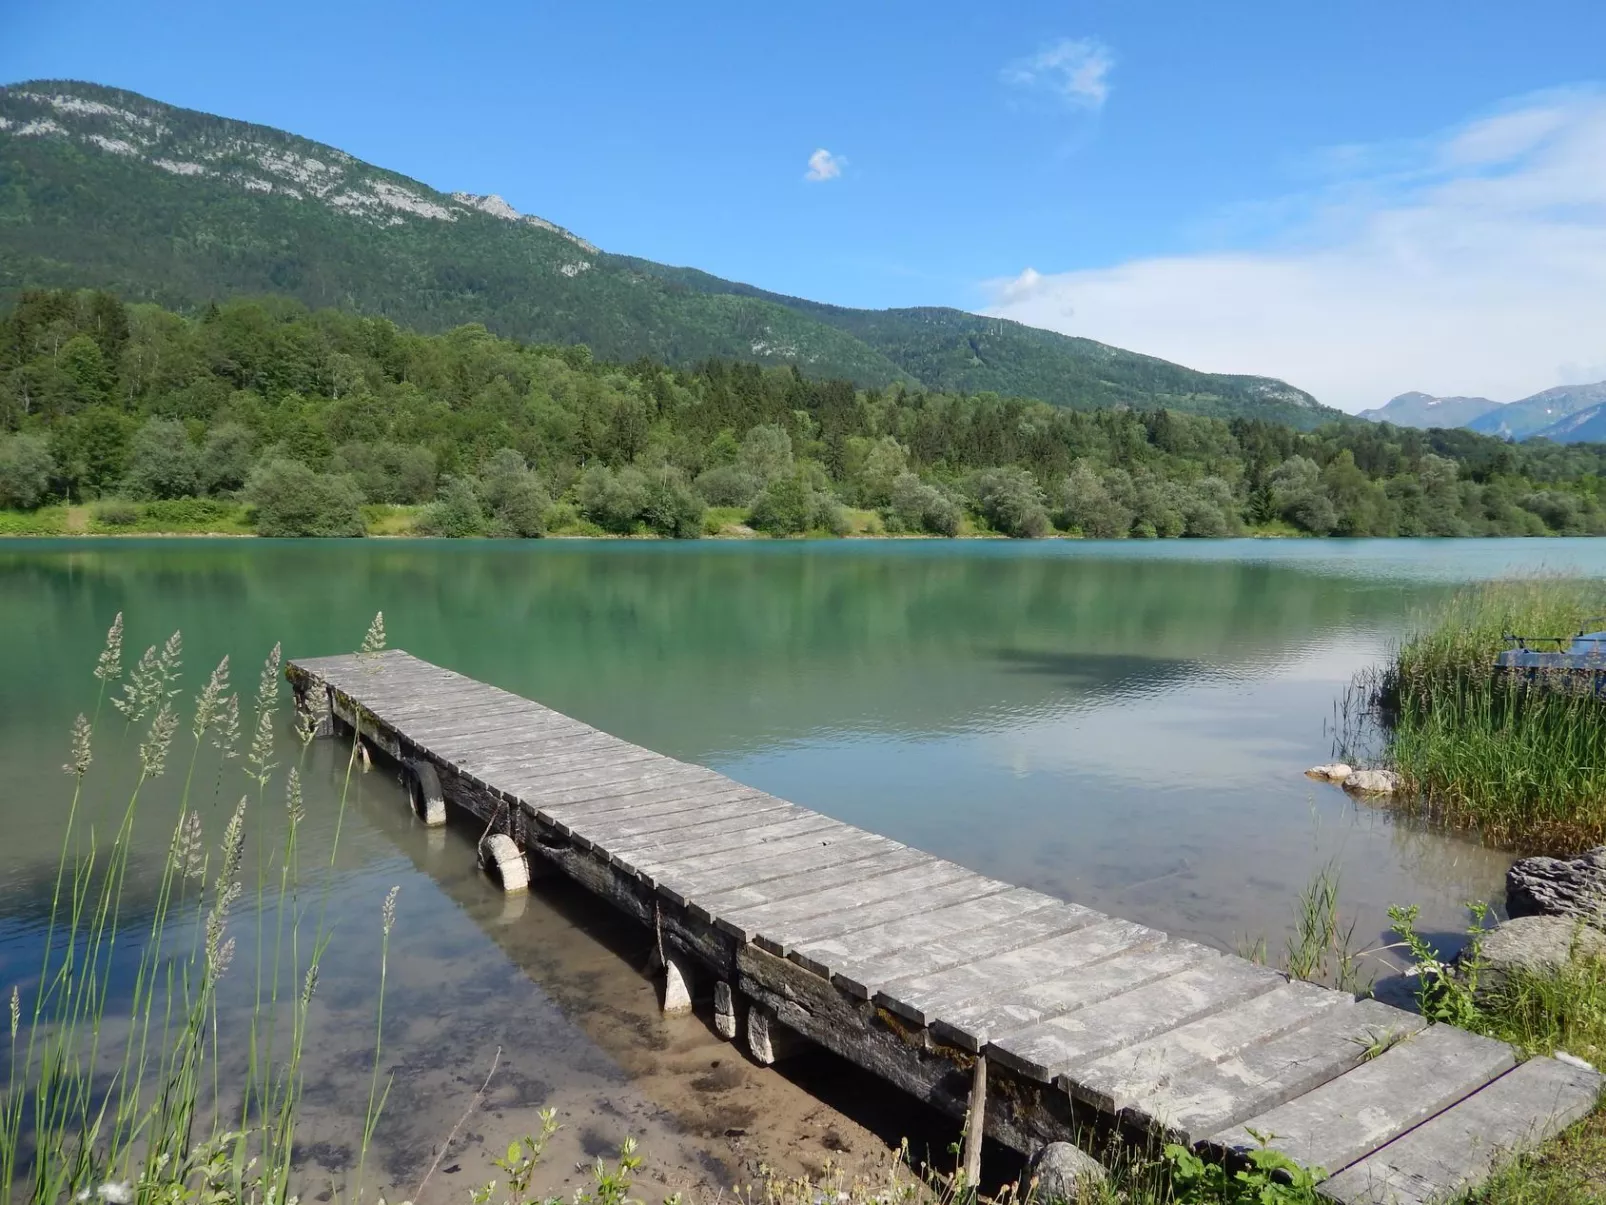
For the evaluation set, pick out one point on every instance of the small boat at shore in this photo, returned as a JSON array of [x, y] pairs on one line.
[[1576, 664]]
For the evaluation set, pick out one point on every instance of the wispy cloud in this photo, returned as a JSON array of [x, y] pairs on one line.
[[1073, 71], [1473, 262], [823, 165]]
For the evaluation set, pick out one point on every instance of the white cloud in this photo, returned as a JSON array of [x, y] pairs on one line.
[[823, 165], [1075, 71], [1471, 263]]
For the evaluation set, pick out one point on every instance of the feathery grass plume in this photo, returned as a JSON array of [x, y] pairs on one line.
[[293, 803], [187, 855], [233, 842], [309, 985], [16, 1010], [306, 726], [109, 668], [388, 912], [226, 731], [210, 702], [81, 732], [143, 688], [168, 663], [374, 642], [268, 684], [259, 762], [153, 750]]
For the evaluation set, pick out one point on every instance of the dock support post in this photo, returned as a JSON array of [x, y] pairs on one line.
[[724, 1011], [767, 1039], [976, 1122], [501, 856], [424, 785], [677, 986]]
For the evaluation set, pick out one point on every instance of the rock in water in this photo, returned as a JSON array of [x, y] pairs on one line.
[[1333, 771], [1064, 1172], [1540, 945], [1559, 887], [1372, 782]]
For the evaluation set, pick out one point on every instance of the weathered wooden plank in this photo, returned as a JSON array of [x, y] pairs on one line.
[[921, 997], [734, 842], [541, 789], [819, 942], [1052, 1049], [565, 811], [896, 922], [867, 978], [492, 763], [665, 803], [452, 728], [1207, 1099], [1347, 1118], [809, 884], [873, 884], [973, 1024], [625, 830], [689, 865], [680, 885], [1120, 1079], [1448, 1154]]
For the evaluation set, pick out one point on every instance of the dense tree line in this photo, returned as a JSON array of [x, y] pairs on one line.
[[310, 415]]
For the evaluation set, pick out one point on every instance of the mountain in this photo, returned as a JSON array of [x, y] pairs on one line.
[[1582, 426], [1424, 410], [105, 188], [1532, 415]]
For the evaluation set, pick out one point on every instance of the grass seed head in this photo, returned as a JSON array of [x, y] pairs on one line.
[[81, 732], [109, 667]]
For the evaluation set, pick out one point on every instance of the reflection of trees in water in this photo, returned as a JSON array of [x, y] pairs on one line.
[[750, 642]]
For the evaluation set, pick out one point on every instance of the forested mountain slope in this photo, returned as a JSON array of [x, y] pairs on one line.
[[107, 189]]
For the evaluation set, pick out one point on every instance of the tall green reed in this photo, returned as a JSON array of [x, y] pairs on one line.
[[1522, 761], [143, 1119]]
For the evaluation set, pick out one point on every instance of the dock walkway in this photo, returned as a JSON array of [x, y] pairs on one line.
[[1064, 1022]]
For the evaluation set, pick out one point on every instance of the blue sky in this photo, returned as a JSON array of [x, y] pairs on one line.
[[1257, 187]]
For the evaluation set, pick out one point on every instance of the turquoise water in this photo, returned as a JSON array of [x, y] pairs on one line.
[[1124, 725]]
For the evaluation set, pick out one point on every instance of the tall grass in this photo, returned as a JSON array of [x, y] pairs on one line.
[[144, 1101], [1522, 762]]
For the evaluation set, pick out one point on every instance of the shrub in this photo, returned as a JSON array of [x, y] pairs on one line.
[[728, 485], [227, 457], [291, 500], [1011, 502], [162, 462], [614, 501], [115, 512], [1084, 503], [402, 474], [672, 508], [456, 514], [785, 507], [513, 495], [25, 469]]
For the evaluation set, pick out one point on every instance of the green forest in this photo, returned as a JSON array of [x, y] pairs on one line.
[[262, 416]]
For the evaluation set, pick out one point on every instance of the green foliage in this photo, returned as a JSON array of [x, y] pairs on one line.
[[196, 238], [1270, 1178], [25, 471], [785, 508], [292, 500], [46, 521], [456, 514], [196, 404]]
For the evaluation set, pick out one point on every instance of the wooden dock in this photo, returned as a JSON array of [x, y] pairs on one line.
[[1061, 1023]]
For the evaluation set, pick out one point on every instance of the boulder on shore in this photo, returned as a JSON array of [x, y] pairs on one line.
[[1372, 782], [1063, 1172], [1538, 945], [1333, 771], [1559, 887]]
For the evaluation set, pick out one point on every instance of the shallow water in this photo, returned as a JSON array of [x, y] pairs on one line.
[[1123, 725]]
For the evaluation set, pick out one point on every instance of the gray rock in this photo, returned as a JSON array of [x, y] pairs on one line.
[[1063, 1172], [1333, 771], [1559, 887], [1372, 782], [1537, 944]]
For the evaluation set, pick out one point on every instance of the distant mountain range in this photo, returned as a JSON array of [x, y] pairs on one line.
[[1566, 414], [105, 188]]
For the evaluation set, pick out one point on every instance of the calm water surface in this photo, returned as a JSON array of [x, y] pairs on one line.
[[1123, 725]]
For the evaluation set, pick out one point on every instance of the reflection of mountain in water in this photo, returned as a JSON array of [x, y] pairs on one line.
[[692, 650]]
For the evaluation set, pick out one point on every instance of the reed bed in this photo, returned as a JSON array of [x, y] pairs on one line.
[[1522, 762], [133, 1096]]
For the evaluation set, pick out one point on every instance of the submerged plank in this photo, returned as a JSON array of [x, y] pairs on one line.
[[1443, 1157], [1347, 1118]]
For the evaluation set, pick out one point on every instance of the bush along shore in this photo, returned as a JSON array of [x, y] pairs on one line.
[[258, 416]]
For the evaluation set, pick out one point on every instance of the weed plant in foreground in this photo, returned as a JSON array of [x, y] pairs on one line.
[[127, 1096], [1523, 763]]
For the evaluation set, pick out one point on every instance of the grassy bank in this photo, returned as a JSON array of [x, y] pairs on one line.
[[1524, 766]]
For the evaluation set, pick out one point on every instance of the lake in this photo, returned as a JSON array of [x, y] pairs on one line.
[[1123, 725]]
